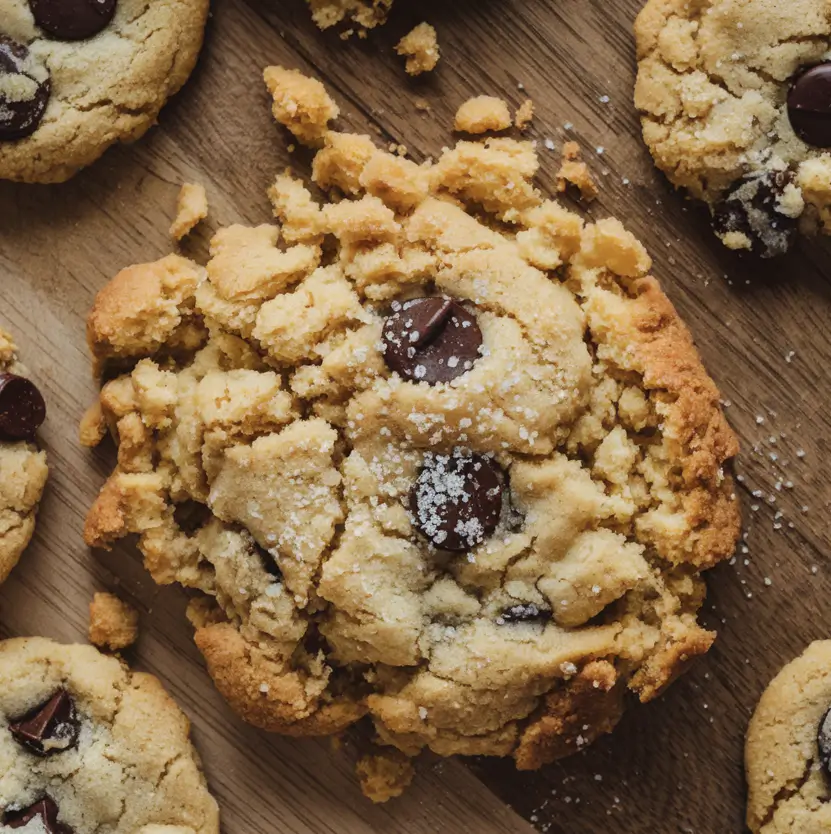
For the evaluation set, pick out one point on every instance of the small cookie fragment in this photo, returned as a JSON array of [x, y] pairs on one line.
[[524, 114], [301, 104], [113, 623], [573, 171], [421, 47], [191, 209], [483, 114], [384, 776], [366, 14]]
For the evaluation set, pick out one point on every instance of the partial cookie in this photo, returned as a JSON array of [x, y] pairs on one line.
[[23, 467], [88, 746], [735, 99], [78, 77], [788, 751], [459, 469]]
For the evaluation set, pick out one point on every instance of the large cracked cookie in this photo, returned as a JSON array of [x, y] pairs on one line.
[[77, 76], [88, 746], [788, 751], [439, 452], [735, 103], [23, 469]]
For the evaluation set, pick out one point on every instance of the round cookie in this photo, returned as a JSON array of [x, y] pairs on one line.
[[23, 467], [788, 750], [735, 105], [77, 76], [459, 470], [89, 746]]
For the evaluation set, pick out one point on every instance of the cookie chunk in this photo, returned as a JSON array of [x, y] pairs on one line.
[[788, 751], [76, 78], [365, 14], [459, 470], [23, 468], [89, 746], [113, 624], [734, 99]]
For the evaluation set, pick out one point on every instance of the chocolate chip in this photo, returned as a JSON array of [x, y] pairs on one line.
[[457, 499], [524, 612], [754, 209], [50, 728], [45, 811], [431, 340], [22, 409], [25, 90], [824, 742], [809, 105], [72, 20]]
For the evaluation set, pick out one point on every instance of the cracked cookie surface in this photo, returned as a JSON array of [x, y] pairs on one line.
[[23, 468], [100, 90], [103, 748], [786, 758], [482, 549], [729, 114]]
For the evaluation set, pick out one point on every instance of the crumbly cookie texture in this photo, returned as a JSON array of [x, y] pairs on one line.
[[105, 89], [23, 473], [116, 756], [788, 781], [113, 623], [385, 776], [713, 89], [573, 171], [421, 48], [483, 114], [271, 459], [366, 14], [191, 209]]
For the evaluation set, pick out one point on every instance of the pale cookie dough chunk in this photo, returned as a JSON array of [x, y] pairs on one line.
[[734, 101], [483, 114], [301, 104], [88, 746], [788, 750], [23, 468], [113, 624], [191, 209], [421, 48], [75, 81], [456, 474]]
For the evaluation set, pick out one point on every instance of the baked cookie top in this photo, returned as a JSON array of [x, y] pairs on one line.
[[735, 104], [438, 451], [23, 467], [89, 746], [76, 77], [788, 751]]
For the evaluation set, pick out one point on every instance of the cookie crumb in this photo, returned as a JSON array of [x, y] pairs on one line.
[[93, 427], [524, 114], [367, 14], [191, 209], [113, 624], [483, 114], [573, 171], [422, 105], [421, 47], [301, 104], [384, 776]]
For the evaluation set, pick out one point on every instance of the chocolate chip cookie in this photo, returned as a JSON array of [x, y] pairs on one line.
[[439, 452], [77, 76], [23, 467], [735, 100], [88, 746], [788, 752]]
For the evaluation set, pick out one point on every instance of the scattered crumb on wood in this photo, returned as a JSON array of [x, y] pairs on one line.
[[113, 624], [191, 209], [384, 776], [575, 172], [421, 47], [93, 428], [367, 14], [422, 105], [524, 115], [483, 114], [301, 104]]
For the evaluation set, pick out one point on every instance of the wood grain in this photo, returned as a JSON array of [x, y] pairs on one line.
[[674, 766]]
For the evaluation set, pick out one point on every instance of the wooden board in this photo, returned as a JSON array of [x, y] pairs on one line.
[[674, 766]]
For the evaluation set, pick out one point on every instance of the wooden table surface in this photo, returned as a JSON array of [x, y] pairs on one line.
[[674, 766]]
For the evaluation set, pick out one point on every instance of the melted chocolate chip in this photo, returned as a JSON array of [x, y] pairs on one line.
[[809, 105], [72, 20], [25, 90], [524, 612], [22, 409], [754, 209], [824, 742], [50, 728], [431, 340], [457, 500], [44, 811]]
